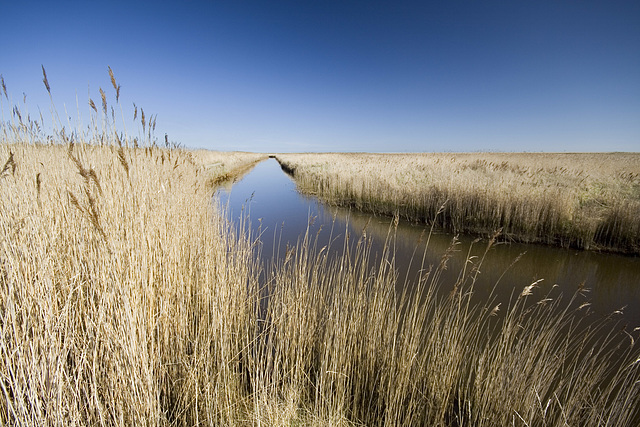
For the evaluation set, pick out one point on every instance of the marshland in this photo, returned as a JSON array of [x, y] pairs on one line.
[[130, 295], [585, 201]]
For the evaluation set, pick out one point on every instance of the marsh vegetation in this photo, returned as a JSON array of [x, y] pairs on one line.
[[128, 298], [586, 201]]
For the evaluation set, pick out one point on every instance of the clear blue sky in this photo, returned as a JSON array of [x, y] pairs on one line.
[[311, 75]]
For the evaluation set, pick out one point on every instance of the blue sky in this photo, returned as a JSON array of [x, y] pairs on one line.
[[342, 75]]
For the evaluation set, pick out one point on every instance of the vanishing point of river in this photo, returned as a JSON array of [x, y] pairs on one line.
[[282, 215]]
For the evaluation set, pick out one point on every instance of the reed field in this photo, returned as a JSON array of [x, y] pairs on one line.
[[221, 166], [587, 201], [128, 298]]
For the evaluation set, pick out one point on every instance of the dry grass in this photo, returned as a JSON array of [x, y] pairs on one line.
[[112, 309], [126, 298], [226, 165], [122, 288], [589, 201]]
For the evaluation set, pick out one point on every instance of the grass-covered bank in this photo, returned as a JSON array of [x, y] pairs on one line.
[[589, 201], [224, 166], [126, 298]]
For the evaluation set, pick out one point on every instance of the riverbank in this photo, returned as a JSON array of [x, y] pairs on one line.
[[222, 166], [585, 201]]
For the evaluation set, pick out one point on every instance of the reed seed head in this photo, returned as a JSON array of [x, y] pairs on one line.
[[94, 177], [45, 80], [10, 164], [4, 86], [113, 79], [16, 112], [495, 310], [74, 200], [104, 100], [116, 86], [123, 160], [528, 290]]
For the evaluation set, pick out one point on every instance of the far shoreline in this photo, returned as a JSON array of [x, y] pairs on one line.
[[586, 201]]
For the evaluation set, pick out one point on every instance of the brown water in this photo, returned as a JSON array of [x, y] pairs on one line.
[[276, 210]]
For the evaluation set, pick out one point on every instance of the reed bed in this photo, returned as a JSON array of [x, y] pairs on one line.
[[587, 201], [128, 298], [112, 309], [224, 166]]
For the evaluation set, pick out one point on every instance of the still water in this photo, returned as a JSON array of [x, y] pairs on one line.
[[268, 197]]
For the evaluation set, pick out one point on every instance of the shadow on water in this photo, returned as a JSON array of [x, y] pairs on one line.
[[275, 210]]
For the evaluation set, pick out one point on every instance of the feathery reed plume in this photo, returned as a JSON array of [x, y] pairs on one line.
[[93, 213], [16, 112], [104, 100], [89, 175], [9, 164], [94, 177], [143, 121], [528, 290], [113, 79], [64, 138], [123, 160], [45, 80], [135, 111], [4, 87], [495, 310], [115, 86], [74, 200], [92, 105]]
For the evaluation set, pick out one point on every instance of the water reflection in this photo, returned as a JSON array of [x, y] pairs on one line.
[[274, 207]]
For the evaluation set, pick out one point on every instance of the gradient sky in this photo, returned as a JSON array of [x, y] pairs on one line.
[[279, 76]]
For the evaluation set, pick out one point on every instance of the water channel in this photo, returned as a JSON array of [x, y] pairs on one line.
[[276, 210]]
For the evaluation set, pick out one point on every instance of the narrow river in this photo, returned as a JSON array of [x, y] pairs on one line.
[[281, 215]]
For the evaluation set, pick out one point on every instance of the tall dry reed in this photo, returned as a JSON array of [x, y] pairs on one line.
[[337, 344]]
